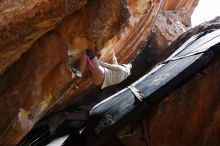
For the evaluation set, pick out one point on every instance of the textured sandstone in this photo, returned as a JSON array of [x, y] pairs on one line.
[[38, 36], [40, 81], [182, 8], [173, 19], [23, 22], [166, 29]]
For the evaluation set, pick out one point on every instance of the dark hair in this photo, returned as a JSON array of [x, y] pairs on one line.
[[91, 54]]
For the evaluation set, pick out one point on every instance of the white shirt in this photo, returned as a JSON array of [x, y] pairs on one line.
[[115, 73]]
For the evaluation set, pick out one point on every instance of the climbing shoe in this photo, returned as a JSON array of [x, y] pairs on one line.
[[76, 72]]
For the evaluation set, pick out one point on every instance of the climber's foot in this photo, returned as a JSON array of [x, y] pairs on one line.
[[76, 72]]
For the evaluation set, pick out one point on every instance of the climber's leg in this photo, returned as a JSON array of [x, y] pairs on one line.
[[90, 59], [95, 68]]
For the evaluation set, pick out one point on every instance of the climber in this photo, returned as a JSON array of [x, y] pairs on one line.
[[102, 74]]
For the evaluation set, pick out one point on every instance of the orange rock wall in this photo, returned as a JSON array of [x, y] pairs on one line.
[[38, 37], [40, 81], [23, 22]]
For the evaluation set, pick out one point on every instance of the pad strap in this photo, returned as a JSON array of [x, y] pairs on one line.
[[136, 93]]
